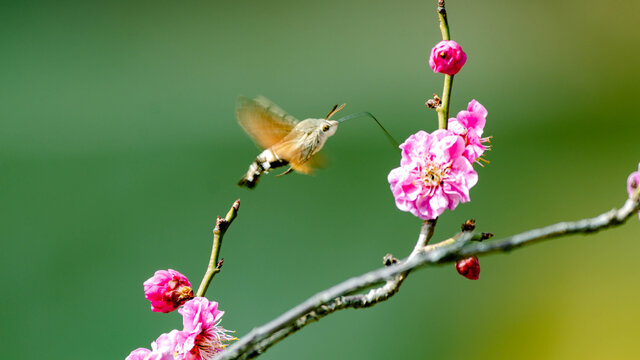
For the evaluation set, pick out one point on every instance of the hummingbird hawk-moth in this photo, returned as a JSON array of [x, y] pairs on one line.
[[285, 139]]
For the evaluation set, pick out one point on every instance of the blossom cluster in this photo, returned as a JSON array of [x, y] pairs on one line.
[[436, 170], [201, 338]]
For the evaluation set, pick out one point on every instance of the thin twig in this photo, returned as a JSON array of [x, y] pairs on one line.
[[327, 301], [444, 24], [222, 224], [443, 108]]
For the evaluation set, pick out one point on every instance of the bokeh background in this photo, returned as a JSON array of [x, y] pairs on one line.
[[119, 146]]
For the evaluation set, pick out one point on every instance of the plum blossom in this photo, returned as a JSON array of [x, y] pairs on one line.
[[433, 174], [447, 57], [138, 354], [202, 337], [470, 125], [167, 290], [633, 183], [161, 349]]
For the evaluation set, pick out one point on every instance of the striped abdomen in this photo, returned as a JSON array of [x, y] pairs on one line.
[[263, 163]]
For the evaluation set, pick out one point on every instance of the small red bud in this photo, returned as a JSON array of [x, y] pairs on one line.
[[469, 268]]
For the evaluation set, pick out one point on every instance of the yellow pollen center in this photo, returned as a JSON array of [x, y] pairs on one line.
[[433, 175]]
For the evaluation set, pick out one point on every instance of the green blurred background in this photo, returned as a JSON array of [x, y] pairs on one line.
[[119, 147]]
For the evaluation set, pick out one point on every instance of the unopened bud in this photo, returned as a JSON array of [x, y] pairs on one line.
[[167, 290], [469, 268], [633, 182], [486, 235], [447, 57]]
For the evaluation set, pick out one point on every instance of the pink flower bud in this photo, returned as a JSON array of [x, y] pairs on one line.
[[167, 290], [469, 268], [447, 57], [633, 182]]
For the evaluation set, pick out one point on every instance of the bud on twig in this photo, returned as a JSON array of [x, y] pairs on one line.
[[167, 290], [221, 225], [433, 103], [389, 260], [469, 268], [486, 235], [469, 225]]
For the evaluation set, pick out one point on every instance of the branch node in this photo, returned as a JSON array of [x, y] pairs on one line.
[[433, 103], [468, 225], [389, 260], [221, 225]]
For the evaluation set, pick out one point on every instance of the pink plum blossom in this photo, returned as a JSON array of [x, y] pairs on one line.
[[433, 174], [470, 125], [167, 290], [633, 183], [202, 337], [138, 354], [162, 349], [447, 57]]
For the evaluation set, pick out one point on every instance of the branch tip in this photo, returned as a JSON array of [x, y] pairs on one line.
[[222, 224]]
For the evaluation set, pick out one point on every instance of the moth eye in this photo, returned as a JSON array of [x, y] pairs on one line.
[[326, 128]]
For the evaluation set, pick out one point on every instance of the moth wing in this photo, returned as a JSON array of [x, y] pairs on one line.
[[263, 121], [315, 162], [299, 156]]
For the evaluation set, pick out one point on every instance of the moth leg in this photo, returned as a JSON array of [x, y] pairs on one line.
[[290, 169]]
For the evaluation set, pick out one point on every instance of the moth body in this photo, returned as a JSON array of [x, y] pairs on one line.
[[263, 163], [298, 147]]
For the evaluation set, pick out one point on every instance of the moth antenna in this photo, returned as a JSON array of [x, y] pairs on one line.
[[366, 113], [334, 110]]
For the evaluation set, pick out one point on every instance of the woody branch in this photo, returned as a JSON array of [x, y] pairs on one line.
[[337, 297]]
